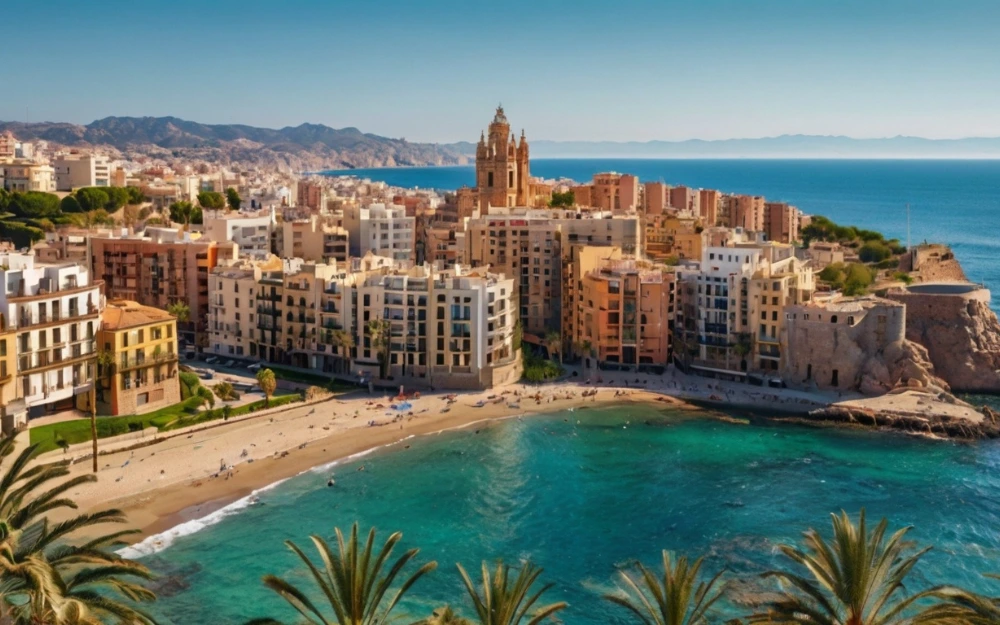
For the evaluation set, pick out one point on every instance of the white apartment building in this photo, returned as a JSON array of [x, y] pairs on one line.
[[251, 231], [715, 308], [55, 311], [382, 230], [77, 170], [448, 328]]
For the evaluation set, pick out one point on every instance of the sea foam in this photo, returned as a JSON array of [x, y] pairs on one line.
[[158, 542]]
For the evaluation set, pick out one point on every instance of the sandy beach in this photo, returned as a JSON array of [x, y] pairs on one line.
[[190, 476]]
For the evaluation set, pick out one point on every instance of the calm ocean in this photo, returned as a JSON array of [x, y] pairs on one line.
[[951, 201], [588, 492]]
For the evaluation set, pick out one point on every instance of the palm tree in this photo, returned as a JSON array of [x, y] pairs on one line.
[[445, 616], [503, 603], [344, 342], [46, 574], [180, 310], [857, 579], [379, 329], [354, 582], [962, 607], [268, 383], [553, 342], [678, 599]]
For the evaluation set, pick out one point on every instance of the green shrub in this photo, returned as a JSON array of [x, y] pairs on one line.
[[538, 369], [874, 252], [904, 277]]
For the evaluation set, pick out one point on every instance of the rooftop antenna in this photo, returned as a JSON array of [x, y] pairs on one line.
[[908, 227]]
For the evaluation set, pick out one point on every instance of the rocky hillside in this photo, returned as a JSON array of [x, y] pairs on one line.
[[306, 147]]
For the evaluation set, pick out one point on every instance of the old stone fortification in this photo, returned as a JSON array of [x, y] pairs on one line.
[[857, 345], [960, 332], [932, 262]]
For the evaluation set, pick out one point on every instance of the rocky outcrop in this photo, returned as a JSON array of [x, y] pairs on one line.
[[915, 411], [902, 364], [961, 335]]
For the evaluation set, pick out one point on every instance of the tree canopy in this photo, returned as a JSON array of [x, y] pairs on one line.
[[135, 195], [92, 198], [33, 204], [564, 199], [70, 204], [211, 199], [185, 213], [233, 199]]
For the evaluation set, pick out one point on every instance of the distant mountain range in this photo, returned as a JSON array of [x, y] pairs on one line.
[[301, 148], [785, 146], [313, 147]]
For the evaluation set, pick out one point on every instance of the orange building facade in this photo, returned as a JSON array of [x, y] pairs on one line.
[[626, 313]]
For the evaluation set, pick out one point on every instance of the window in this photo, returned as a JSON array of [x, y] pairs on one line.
[[489, 181]]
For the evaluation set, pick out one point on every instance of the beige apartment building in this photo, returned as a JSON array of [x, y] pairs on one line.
[[251, 231], [526, 248], [76, 170], [779, 283], [23, 175], [320, 238], [232, 306], [670, 235], [451, 328]]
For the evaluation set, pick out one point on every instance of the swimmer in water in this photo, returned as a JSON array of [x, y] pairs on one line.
[[329, 482]]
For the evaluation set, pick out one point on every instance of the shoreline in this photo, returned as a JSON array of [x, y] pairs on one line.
[[184, 483], [155, 504]]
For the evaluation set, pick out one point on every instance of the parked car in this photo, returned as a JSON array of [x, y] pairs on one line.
[[254, 367], [211, 360], [229, 363], [206, 375]]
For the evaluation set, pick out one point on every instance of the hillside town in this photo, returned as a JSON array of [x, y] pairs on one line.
[[120, 274]]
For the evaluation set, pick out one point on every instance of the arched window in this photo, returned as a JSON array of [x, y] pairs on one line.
[[833, 319]]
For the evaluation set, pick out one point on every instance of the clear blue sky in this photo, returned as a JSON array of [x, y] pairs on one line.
[[432, 70]]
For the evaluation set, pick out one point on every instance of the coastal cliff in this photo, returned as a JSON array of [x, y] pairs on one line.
[[960, 332]]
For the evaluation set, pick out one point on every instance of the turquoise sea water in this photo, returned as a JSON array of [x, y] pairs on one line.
[[954, 202], [585, 493]]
